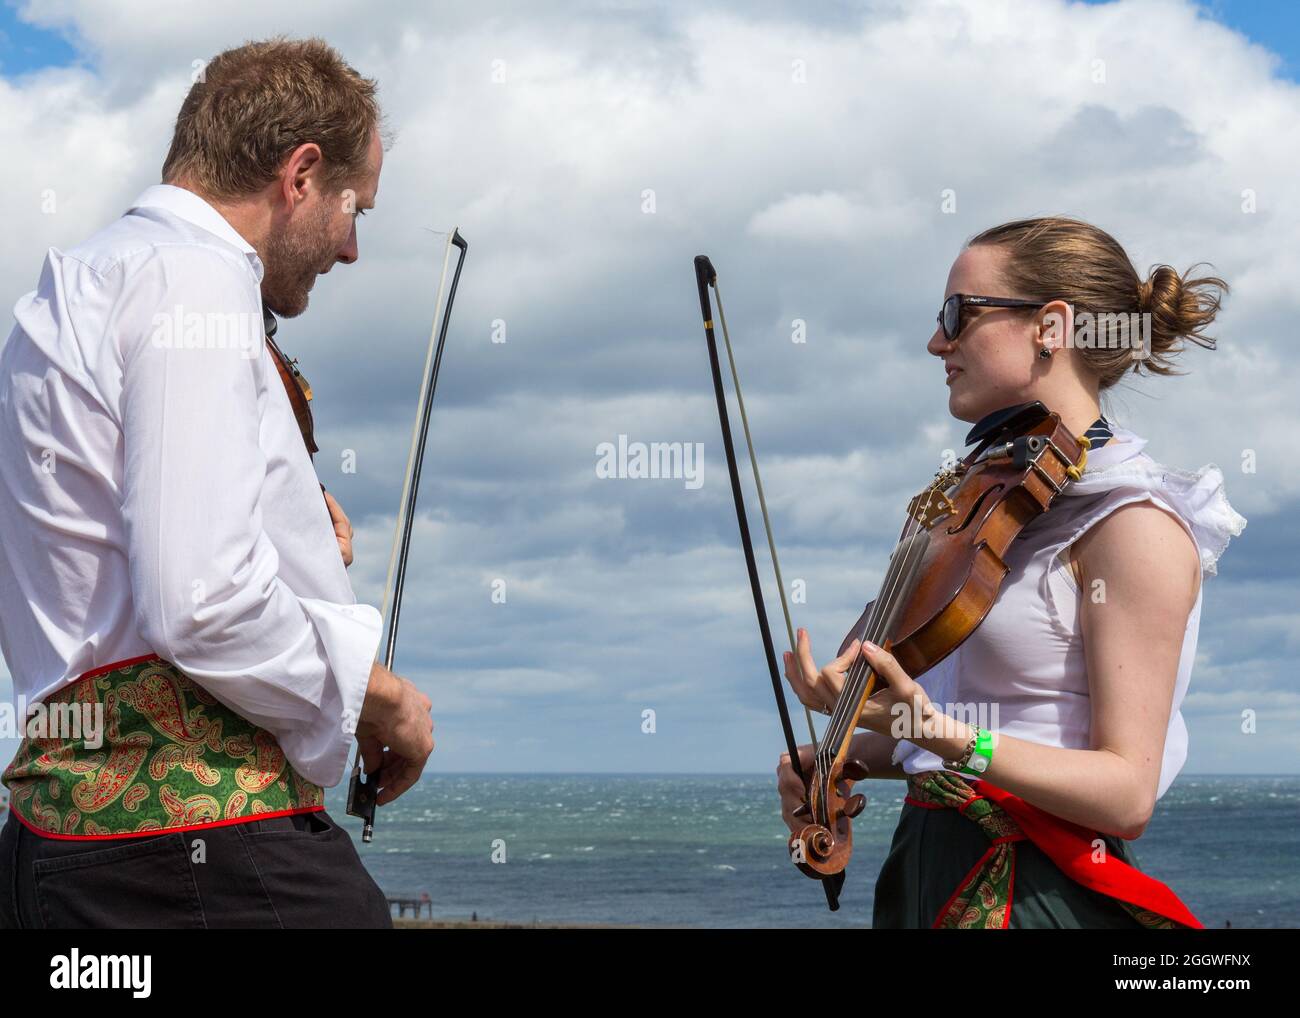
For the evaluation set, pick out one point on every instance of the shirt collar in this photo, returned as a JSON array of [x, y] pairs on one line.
[[1099, 432], [1123, 446], [186, 205]]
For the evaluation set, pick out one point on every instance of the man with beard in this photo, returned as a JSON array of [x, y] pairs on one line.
[[171, 573]]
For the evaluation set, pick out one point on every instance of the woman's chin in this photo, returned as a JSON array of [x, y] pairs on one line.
[[961, 407]]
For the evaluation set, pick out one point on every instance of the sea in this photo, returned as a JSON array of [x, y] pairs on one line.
[[709, 850]]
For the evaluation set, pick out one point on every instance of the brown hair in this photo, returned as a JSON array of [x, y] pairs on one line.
[[255, 104], [1057, 258]]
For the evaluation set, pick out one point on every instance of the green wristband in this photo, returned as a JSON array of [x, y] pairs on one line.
[[978, 755], [982, 755]]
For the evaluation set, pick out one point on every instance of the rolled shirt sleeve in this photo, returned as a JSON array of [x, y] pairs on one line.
[[205, 576]]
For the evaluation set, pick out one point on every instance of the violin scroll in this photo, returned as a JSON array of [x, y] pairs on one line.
[[823, 847]]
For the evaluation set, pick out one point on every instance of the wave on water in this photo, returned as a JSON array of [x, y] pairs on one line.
[[508, 846]]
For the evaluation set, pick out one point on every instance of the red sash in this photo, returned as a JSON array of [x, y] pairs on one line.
[[1070, 846]]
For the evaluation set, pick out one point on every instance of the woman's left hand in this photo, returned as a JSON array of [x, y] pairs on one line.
[[889, 710], [342, 527]]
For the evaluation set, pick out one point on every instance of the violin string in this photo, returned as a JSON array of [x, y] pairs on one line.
[[836, 728], [900, 565], [913, 542], [762, 498], [860, 671], [911, 550], [842, 724]]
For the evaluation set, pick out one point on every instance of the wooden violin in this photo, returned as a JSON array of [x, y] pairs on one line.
[[295, 385], [942, 579]]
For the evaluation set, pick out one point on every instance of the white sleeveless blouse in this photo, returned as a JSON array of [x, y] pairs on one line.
[[1027, 657]]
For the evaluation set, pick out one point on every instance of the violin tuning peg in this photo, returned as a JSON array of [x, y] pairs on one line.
[[803, 811], [854, 805], [855, 770]]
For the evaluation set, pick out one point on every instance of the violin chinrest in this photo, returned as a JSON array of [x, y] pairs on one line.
[[1018, 418]]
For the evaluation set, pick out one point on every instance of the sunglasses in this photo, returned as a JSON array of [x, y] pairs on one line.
[[949, 317]]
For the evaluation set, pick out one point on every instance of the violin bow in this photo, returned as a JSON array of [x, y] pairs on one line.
[[362, 795], [705, 277]]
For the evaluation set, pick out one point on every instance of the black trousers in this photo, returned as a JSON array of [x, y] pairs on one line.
[[287, 872]]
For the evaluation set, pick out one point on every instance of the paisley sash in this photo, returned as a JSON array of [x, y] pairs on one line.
[[983, 899], [172, 758]]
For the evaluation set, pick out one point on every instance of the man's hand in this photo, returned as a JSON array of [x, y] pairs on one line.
[[395, 732], [342, 528]]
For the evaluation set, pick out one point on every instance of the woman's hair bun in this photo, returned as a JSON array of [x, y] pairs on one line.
[[1181, 307]]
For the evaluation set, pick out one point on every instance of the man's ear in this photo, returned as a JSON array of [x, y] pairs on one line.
[[299, 172]]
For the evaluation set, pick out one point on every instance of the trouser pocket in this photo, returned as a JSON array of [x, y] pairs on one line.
[[314, 877], [143, 883]]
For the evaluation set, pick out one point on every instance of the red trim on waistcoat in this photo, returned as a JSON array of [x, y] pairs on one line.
[[164, 830], [95, 673]]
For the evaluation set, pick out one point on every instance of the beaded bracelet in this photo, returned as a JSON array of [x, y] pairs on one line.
[[978, 755]]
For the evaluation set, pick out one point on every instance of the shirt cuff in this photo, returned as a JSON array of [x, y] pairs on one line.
[[349, 634]]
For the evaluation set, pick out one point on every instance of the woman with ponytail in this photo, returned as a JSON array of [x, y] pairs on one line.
[[1078, 672]]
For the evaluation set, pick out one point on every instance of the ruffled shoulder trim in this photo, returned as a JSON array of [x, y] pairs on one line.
[[1197, 496]]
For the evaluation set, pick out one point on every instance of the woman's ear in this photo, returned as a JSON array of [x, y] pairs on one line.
[[1055, 325]]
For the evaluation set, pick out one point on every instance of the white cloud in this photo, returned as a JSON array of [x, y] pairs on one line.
[[818, 198]]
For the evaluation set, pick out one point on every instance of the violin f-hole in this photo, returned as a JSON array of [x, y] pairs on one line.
[[975, 508]]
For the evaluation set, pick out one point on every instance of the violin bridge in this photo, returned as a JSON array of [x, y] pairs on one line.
[[933, 504]]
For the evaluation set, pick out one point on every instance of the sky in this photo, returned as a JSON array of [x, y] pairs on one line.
[[587, 153]]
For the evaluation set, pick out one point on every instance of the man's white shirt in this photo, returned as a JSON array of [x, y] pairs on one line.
[[156, 496]]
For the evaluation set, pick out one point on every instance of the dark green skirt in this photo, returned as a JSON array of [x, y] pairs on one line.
[[934, 849]]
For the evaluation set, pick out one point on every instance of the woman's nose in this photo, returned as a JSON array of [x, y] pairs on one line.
[[938, 344]]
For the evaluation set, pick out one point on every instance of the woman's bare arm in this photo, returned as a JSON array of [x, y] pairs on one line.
[[1141, 577]]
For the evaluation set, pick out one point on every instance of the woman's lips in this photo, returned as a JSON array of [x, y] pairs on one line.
[[952, 373]]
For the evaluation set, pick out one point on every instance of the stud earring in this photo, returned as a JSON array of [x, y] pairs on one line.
[[1044, 353]]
